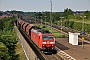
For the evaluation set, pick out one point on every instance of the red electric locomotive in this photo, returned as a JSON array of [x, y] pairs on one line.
[[42, 38]]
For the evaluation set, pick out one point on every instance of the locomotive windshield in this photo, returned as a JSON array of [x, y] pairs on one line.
[[47, 38]]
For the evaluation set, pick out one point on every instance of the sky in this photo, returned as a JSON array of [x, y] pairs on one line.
[[44, 5]]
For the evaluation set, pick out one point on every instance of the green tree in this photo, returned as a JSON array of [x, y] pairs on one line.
[[3, 52], [7, 37], [1, 13], [87, 14], [1, 24], [67, 12]]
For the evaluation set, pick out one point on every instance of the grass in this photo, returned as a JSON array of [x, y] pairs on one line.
[[56, 33], [80, 21], [20, 51]]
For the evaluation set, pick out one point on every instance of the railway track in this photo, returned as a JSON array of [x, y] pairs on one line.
[[66, 30], [52, 57], [64, 55], [57, 56], [39, 56], [60, 52], [39, 53]]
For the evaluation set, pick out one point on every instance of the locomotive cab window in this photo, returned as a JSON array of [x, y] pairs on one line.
[[47, 38]]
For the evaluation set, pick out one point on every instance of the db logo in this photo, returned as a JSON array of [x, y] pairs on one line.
[[48, 42]]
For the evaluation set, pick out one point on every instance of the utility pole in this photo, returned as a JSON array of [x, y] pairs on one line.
[[41, 20], [45, 20], [61, 21], [35, 19], [38, 19], [83, 31], [51, 15], [61, 25]]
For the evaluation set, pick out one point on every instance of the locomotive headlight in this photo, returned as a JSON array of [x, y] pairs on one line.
[[43, 45], [52, 45], [43, 42], [52, 42]]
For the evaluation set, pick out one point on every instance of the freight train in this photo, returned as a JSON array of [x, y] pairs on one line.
[[44, 39]]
